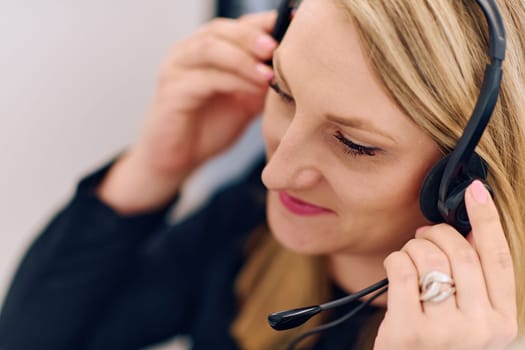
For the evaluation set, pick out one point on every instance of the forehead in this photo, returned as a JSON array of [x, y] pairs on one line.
[[322, 42], [325, 64]]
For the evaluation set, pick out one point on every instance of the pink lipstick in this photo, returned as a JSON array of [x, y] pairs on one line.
[[299, 207]]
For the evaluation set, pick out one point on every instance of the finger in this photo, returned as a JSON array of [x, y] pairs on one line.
[[214, 53], [492, 247], [247, 36], [471, 292], [198, 84], [428, 257], [264, 20], [403, 288]]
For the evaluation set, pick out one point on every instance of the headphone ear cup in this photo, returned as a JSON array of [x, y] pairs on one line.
[[429, 194]]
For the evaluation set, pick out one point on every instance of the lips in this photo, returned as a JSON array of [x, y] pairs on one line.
[[300, 207]]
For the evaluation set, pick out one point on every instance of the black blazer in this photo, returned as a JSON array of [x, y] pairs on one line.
[[95, 280]]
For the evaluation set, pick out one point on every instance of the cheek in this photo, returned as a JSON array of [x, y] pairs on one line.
[[385, 205], [395, 183], [398, 192], [403, 190], [378, 202]]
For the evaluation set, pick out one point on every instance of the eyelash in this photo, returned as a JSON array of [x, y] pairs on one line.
[[354, 148], [284, 96], [351, 147]]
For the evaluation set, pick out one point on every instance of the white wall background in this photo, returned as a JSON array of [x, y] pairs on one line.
[[75, 81]]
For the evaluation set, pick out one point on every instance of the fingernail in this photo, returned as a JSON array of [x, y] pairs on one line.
[[266, 42], [266, 71], [479, 192]]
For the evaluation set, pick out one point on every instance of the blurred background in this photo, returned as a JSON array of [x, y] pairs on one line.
[[76, 81]]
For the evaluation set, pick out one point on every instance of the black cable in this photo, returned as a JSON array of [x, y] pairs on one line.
[[355, 296], [336, 322]]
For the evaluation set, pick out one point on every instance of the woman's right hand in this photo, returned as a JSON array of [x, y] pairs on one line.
[[210, 88]]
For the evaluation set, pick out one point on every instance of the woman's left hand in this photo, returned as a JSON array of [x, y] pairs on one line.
[[481, 314]]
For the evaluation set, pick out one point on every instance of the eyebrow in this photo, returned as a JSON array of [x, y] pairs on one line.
[[356, 123], [277, 66]]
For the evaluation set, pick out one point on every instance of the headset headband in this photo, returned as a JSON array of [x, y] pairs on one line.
[[457, 165]]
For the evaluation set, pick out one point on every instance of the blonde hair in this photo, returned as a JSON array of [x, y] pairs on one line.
[[275, 279], [431, 56]]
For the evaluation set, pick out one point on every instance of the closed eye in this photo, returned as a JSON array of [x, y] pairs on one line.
[[350, 146], [283, 95], [354, 148]]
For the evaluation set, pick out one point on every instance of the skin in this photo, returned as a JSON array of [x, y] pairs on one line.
[[210, 87], [214, 83], [373, 200]]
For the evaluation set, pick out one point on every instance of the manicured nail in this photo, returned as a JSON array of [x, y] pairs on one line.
[[479, 192], [266, 71], [266, 42]]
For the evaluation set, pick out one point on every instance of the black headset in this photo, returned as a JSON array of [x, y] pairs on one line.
[[442, 194]]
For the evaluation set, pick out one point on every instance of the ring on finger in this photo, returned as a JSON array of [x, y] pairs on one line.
[[436, 286]]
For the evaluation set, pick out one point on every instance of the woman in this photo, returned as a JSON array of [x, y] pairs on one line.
[[366, 97]]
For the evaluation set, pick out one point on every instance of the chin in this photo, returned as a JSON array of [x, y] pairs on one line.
[[304, 235]]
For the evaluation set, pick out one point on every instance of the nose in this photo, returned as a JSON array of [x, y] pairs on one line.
[[293, 159]]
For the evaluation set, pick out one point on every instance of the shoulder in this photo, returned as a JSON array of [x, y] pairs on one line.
[[227, 217], [238, 202]]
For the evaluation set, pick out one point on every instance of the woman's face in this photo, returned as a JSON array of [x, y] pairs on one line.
[[345, 164]]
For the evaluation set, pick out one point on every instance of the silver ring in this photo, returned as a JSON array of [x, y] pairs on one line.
[[436, 286]]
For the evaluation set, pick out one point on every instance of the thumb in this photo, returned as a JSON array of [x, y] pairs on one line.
[[492, 248], [481, 210]]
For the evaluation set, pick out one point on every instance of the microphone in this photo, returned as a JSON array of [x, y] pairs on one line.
[[288, 319]]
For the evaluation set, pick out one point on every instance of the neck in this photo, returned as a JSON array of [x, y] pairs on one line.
[[355, 272]]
